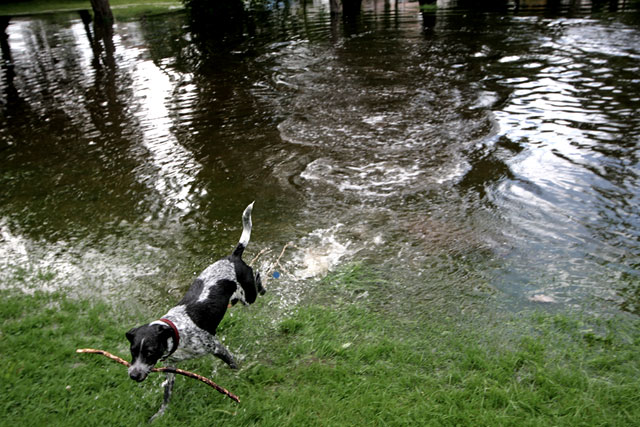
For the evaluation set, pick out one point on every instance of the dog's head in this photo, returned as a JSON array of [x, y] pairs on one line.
[[248, 291], [148, 344]]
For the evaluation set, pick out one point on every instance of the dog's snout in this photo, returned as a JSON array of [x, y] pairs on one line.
[[137, 375]]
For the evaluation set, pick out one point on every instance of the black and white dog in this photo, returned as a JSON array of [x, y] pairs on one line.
[[188, 330]]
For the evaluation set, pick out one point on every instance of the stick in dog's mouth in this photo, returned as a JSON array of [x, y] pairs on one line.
[[164, 369]]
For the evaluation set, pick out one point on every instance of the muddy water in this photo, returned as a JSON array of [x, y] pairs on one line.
[[461, 153]]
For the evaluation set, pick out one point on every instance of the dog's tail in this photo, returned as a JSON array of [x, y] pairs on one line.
[[246, 231]]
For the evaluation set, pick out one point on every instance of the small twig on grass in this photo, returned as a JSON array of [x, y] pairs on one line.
[[282, 253], [265, 250], [272, 264], [164, 369]]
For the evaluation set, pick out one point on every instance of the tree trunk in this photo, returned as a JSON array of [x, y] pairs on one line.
[[335, 6], [102, 11], [351, 7]]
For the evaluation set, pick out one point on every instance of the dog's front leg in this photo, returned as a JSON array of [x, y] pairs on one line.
[[168, 388], [221, 352]]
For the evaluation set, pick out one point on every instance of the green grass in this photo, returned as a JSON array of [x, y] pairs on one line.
[[331, 362], [122, 9], [428, 7]]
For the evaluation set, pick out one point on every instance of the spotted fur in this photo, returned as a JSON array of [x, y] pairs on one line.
[[197, 316]]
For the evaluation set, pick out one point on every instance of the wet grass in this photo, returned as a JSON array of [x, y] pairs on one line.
[[122, 9], [339, 359]]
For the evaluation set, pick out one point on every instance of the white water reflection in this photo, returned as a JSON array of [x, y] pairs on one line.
[[101, 135], [46, 68], [55, 75], [175, 166], [570, 115], [169, 168]]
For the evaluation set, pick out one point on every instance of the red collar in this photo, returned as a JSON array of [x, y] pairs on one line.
[[176, 340]]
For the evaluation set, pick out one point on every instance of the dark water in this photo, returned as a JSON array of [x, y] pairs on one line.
[[462, 153]]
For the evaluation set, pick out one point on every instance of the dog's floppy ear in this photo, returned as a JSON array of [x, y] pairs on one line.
[[130, 334], [166, 331]]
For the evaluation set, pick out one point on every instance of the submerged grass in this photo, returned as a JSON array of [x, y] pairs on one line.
[[332, 362], [122, 9]]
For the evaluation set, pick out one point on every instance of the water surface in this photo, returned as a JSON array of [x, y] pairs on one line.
[[463, 154]]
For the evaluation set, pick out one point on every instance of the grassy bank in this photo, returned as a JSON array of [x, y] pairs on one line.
[[122, 9], [331, 362]]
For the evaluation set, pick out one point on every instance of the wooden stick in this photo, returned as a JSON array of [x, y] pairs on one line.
[[164, 369], [282, 253], [259, 254], [273, 264]]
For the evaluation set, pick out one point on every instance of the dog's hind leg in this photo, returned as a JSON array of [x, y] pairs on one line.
[[168, 389]]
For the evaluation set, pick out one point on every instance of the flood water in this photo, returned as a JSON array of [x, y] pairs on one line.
[[462, 154]]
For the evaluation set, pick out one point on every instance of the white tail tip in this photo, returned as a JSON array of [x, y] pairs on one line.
[[246, 225]]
